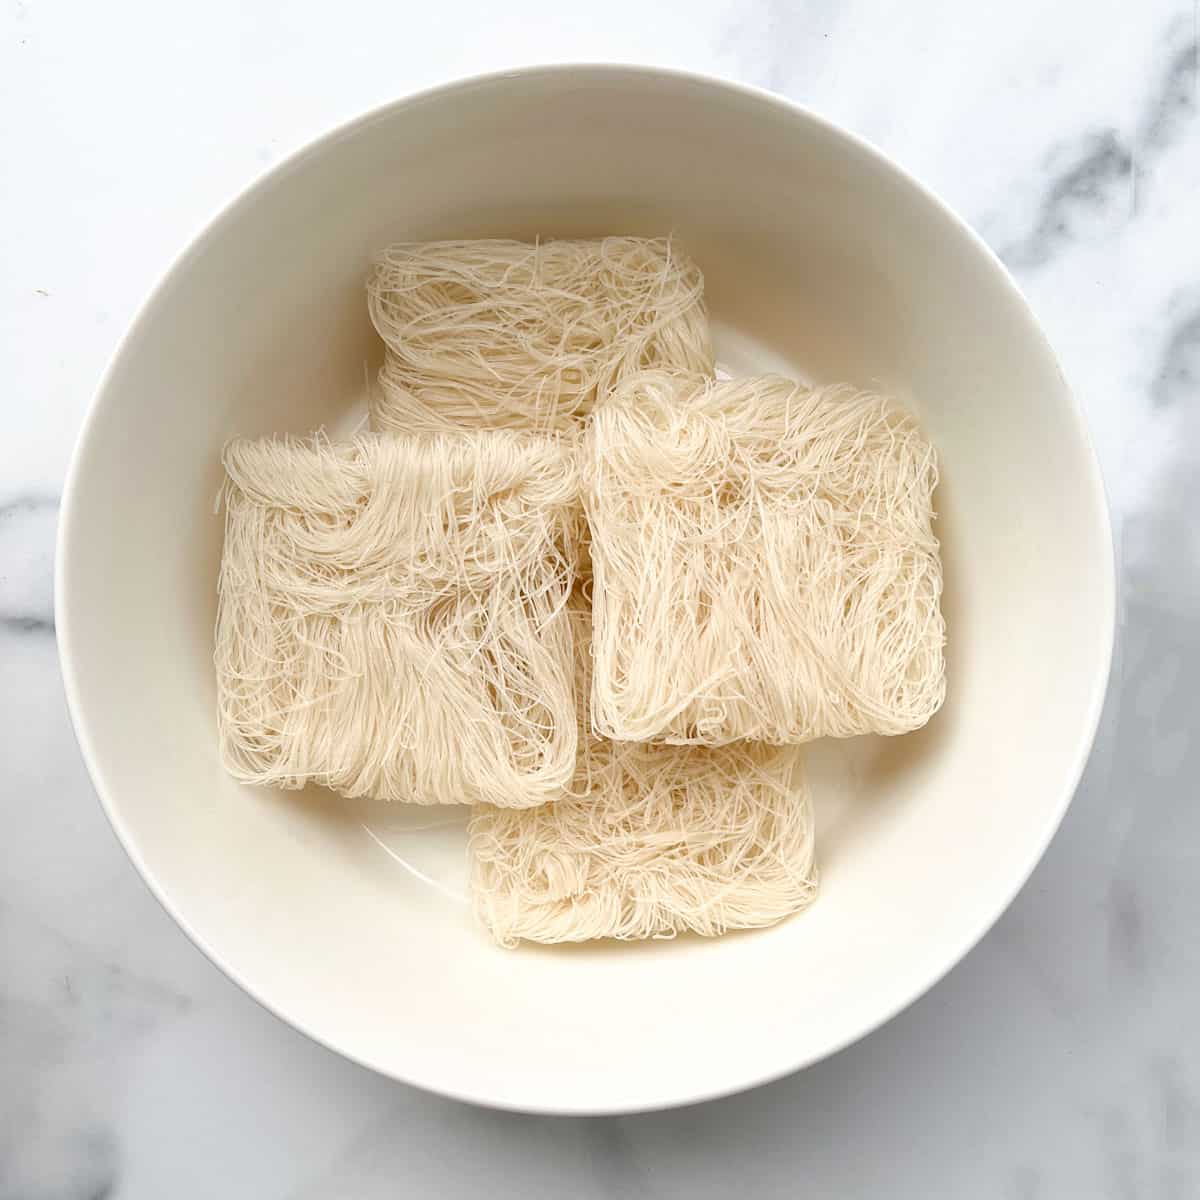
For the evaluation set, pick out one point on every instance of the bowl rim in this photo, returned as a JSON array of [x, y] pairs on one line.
[[196, 245]]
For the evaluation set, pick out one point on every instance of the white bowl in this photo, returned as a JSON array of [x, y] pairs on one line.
[[822, 259]]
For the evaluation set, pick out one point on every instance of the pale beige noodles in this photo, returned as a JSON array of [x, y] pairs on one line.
[[764, 561], [392, 618], [655, 841], [515, 334]]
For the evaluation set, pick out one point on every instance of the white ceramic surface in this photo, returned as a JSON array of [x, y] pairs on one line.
[[818, 253]]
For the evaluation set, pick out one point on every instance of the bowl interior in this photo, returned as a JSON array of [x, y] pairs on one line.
[[820, 259]]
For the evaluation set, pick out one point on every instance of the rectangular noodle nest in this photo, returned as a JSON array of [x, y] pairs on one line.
[[391, 616], [530, 336], [764, 562], [653, 842]]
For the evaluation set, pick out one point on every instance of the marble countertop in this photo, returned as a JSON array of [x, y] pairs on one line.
[[1061, 1058]]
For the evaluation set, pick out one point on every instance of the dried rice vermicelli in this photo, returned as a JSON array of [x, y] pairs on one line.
[[655, 841], [764, 561], [392, 619], [501, 333]]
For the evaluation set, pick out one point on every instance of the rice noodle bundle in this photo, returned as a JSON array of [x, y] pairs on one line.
[[654, 841], [392, 617], [764, 562], [530, 336]]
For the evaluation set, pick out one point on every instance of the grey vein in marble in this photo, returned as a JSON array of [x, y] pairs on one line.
[[1178, 97], [1126, 927], [1092, 190], [1178, 375], [64, 1020], [27, 525], [1089, 194]]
